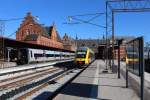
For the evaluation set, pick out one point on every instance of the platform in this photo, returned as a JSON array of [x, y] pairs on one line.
[[93, 84], [7, 64], [6, 70]]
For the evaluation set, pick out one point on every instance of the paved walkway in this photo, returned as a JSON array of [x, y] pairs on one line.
[[93, 84]]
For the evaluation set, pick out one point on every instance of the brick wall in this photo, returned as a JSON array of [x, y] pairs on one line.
[[30, 26], [122, 52], [49, 42]]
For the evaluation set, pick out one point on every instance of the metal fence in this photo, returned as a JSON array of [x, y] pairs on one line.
[[135, 61], [133, 55]]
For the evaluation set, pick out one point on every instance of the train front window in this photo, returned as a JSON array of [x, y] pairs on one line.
[[132, 56], [81, 54]]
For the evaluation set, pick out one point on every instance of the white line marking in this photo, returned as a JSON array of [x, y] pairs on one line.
[[95, 82]]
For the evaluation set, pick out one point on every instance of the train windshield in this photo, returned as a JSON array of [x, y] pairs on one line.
[[132, 56], [132, 53], [81, 54]]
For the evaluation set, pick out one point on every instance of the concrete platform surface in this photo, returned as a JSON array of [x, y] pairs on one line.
[[7, 64], [93, 84], [5, 70]]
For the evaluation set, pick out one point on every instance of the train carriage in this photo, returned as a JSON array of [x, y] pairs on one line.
[[84, 56], [29, 55]]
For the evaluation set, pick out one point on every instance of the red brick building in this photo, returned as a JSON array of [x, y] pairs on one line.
[[33, 32], [68, 43], [123, 46], [122, 51]]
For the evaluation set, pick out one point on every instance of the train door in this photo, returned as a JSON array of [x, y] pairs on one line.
[[13, 55], [22, 56]]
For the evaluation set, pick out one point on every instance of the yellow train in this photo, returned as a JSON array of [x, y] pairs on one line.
[[132, 60], [84, 56], [132, 56]]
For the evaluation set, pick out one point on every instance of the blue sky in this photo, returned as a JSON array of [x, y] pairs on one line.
[[49, 11]]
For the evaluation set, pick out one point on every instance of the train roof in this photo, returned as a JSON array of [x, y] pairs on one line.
[[85, 48], [82, 48]]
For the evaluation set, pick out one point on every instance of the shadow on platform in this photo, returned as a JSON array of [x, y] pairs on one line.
[[81, 90], [43, 96]]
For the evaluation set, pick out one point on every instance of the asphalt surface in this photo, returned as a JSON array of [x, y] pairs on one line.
[[94, 84]]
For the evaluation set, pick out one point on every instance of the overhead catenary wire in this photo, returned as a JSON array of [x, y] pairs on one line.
[[10, 35], [12, 19], [80, 21], [90, 14], [83, 21]]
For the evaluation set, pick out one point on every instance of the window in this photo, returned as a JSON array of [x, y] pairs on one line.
[[31, 53], [49, 55], [38, 55]]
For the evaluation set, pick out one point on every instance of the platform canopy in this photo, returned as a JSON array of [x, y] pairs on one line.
[[20, 44]]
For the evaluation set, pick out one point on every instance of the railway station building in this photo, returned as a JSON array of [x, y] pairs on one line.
[[69, 43], [32, 32]]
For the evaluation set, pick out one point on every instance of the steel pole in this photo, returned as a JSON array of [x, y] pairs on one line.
[[106, 38], [113, 38], [119, 59], [141, 42]]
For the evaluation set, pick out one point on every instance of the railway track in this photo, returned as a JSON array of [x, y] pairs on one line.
[[30, 67], [22, 97], [19, 76], [23, 86], [19, 80], [52, 81], [24, 81]]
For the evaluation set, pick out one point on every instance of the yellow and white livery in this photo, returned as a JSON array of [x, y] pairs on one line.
[[132, 57], [84, 56]]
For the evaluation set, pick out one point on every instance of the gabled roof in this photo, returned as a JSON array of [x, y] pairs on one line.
[[47, 31], [58, 37]]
